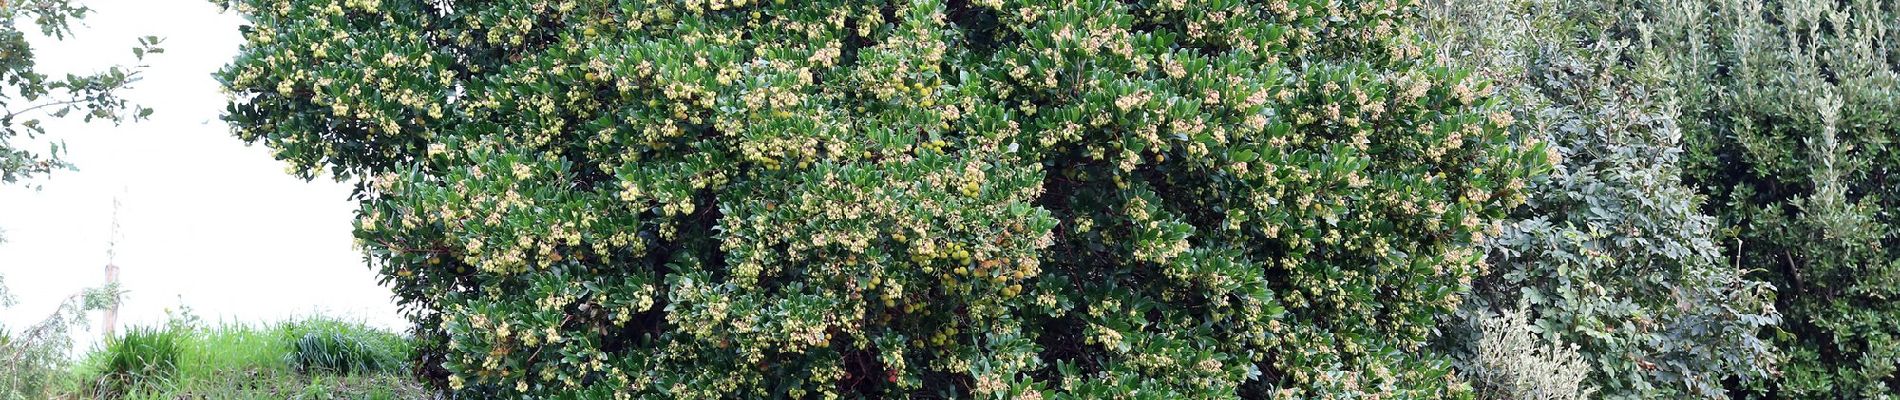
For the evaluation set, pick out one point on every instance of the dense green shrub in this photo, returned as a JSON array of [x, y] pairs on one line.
[[1789, 123], [1000, 198], [1612, 252]]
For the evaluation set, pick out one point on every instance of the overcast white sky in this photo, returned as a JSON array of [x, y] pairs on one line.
[[204, 216]]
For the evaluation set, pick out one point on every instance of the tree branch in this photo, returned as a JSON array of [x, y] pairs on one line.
[[10, 116]]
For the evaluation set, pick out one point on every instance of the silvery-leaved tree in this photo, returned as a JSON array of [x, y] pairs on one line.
[[33, 359], [915, 198], [1613, 252], [1790, 115]]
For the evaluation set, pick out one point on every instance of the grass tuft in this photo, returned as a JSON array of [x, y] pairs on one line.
[[338, 347], [141, 359]]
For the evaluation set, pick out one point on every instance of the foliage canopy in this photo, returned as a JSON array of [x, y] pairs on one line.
[[997, 198]]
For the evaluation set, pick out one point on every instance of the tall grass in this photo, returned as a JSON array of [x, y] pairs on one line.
[[310, 358], [330, 346], [141, 359]]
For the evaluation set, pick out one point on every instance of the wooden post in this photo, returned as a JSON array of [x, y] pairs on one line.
[[112, 312], [111, 318]]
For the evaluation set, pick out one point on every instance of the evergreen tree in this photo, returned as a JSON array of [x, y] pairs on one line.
[[993, 198]]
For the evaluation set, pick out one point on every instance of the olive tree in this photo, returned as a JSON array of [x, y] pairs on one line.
[[1789, 125], [28, 96], [1613, 252]]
